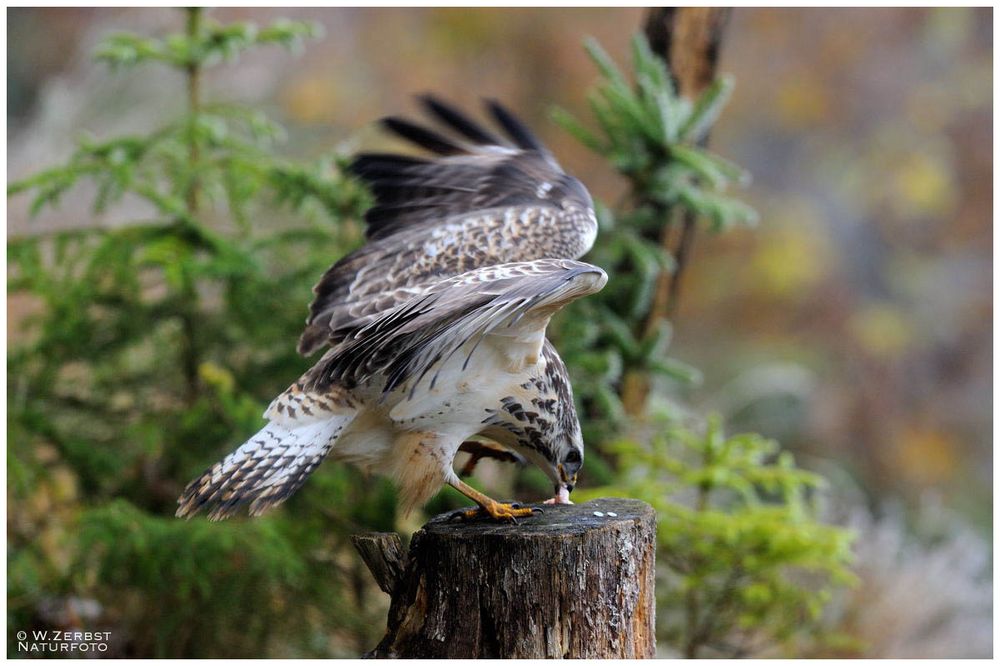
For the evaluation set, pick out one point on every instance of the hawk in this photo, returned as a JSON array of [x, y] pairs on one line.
[[435, 328]]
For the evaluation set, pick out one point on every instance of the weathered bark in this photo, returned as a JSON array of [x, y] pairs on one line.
[[382, 553], [575, 581], [689, 39]]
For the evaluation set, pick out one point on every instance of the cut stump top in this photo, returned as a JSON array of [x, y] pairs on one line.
[[555, 520]]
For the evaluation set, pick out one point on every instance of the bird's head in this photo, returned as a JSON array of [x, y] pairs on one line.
[[542, 425], [561, 458], [564, 453], [567, 467]]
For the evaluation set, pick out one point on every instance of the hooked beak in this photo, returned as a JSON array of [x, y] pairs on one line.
[[568, 478], [563, 488]]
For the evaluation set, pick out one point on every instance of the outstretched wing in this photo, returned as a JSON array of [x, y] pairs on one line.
[[402, 347], [480, 201], [476, 172]]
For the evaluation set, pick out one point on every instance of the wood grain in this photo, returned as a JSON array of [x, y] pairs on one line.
[[575, 581]]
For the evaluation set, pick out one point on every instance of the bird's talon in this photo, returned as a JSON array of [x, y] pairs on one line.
[[500, 512], [509, 512], [533, 509], [462, 514]]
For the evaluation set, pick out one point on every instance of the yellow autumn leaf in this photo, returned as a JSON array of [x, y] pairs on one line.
[[216, 376], [881, 329], [925, 455], [310, 100], [923, 186], [803, 101], [793, 254]]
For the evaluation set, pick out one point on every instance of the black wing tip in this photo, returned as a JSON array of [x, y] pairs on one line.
[[394, 123], [516, 129], [386, 158], [431, 101], [371, 167], [494, 106], [456, 120], [420, 135]]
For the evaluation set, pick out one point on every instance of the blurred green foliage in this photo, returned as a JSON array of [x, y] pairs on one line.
[[649, 134], [746, 562], [157, 345]]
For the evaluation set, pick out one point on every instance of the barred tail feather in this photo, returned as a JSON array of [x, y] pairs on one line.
[[263, 472]]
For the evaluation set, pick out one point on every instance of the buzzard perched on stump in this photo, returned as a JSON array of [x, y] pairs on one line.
[[435, 328]]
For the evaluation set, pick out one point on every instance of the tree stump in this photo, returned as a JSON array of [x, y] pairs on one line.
[[575, 581]]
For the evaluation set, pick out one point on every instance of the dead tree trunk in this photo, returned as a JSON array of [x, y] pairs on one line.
[[575, 581], [689, 40]]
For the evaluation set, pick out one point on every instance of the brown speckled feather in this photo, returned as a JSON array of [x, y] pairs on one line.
[[542, 407], [403, 344], [478, 203]]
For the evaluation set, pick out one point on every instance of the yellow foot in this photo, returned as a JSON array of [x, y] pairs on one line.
[[501, 512]]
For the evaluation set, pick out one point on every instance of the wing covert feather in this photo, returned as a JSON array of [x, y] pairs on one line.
[[479, 203], [403, 345]]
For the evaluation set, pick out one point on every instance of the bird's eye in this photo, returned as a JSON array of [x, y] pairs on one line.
[[573, 456]]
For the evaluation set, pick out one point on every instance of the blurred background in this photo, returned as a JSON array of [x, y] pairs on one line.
[[853, 324]]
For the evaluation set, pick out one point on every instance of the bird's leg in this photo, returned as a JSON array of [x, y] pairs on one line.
[[496, 510], [480, 450]]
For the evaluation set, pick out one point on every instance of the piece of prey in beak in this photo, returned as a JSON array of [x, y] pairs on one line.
[[561, 496]]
